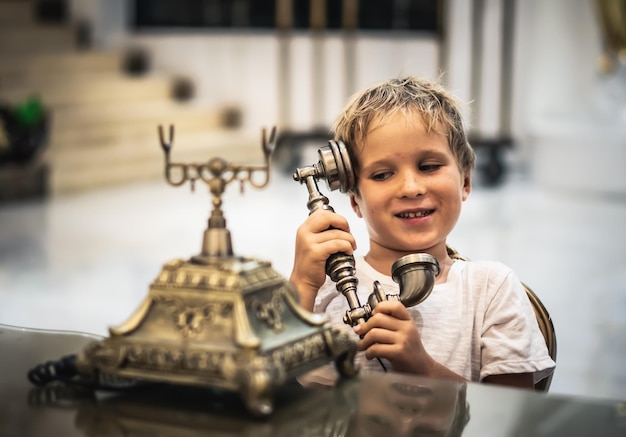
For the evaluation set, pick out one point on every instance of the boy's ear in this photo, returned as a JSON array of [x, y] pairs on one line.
[[467, 186], [355, 205]]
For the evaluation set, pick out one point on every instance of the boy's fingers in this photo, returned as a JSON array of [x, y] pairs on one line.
[[322, 220], [376, 336], [393, 308], [339, 237]]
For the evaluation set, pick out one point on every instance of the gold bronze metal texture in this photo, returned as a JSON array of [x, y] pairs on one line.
[[219, 320]]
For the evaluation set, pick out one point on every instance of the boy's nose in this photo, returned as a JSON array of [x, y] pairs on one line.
[[412, 185]]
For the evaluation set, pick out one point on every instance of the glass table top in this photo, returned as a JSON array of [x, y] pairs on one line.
[[388, 404]]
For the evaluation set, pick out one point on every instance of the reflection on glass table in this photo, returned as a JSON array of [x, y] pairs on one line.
[[371, 404], [395, 405]]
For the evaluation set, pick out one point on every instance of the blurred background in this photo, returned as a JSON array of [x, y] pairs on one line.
[[87, 219]]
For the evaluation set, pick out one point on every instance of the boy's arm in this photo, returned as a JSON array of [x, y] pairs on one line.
[[391, 333], [519, 380], [306, 292], [511, 332], [322, 234]]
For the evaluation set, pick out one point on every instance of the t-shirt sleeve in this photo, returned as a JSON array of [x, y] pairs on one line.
[[325, 296], [511, 341]]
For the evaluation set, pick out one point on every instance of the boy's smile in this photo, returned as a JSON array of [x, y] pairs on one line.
[[415, 214], [410, 188]]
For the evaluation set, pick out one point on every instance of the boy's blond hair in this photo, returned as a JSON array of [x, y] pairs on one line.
[[437, 107]]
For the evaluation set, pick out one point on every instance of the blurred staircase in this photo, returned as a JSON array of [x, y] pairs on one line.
[[103, 120]]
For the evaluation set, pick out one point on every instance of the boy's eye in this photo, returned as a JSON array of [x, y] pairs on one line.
[[429, 167], [381, 176]]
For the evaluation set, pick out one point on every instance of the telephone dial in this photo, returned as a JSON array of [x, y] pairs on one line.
[[415, 273]]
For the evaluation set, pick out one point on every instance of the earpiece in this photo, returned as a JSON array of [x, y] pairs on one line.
[[334, 167]]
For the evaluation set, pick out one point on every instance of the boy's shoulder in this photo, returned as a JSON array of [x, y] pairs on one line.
[[477, 264], [492, 273], [485, 265]]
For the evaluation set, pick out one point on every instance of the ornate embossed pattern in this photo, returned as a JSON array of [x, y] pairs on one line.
[[271, 312], [300, 352], [223, 276], [165, 359], [190, 320], [162, 358]]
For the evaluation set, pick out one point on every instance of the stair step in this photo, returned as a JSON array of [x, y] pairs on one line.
[[123, 162], [202, 145], [130, 130], [16, 13], [31, 67], [104, 123], [94, 89], [88, 116], [37, 39]]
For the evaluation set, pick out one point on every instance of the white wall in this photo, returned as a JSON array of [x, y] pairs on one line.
[[107, 18], [243, 68], [575, 140], [565, 45], [556, 46]]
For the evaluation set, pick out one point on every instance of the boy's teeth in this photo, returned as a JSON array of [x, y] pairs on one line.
[[414, 214]]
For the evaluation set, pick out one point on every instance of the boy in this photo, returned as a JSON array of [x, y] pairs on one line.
[[413, 168]]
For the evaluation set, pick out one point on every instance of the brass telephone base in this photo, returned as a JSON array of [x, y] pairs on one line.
[[218, 320], [233, 324]]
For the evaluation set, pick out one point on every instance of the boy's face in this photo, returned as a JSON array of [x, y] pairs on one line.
[[410, 188]]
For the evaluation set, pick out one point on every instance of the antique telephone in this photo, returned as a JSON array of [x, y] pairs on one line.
[[216, 319], [415, 273]]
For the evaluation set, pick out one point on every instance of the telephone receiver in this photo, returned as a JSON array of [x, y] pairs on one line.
[[415, 273]]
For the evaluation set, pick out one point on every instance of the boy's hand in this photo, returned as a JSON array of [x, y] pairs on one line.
[[322, 234], [391, 333]]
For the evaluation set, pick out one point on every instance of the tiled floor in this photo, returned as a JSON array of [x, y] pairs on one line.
[[84, 262]]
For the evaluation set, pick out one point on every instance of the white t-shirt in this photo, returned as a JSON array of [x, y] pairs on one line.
[[479, 322]]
